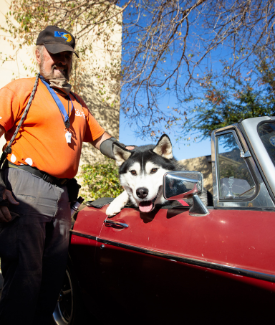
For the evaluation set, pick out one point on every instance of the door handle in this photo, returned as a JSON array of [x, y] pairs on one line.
[[110, 223]]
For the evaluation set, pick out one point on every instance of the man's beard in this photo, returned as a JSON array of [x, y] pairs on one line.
[[60, 81], [62, 73]]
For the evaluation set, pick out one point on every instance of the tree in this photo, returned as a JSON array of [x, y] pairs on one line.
[[239, 97], [167, 45]]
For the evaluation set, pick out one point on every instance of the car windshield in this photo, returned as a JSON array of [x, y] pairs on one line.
[[267, 134], [235, 180]]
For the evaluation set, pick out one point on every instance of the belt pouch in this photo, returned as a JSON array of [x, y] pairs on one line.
[[73, 189]]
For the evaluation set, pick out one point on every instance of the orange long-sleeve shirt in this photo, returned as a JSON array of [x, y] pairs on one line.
[[41, 141]]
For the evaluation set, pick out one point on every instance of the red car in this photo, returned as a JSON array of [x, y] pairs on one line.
[[174, 266]]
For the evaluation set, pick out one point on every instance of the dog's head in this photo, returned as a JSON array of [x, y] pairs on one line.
[[141, 171]]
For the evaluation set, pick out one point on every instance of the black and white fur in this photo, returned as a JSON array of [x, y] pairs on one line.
[[141, 173]]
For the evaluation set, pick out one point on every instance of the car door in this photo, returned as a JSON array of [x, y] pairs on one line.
[[82, 251], [168, 266]]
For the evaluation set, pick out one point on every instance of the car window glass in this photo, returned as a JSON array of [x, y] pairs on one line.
[[235, 180], [267, 134]]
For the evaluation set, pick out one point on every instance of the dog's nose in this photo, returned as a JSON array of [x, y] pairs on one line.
[[142, 192]]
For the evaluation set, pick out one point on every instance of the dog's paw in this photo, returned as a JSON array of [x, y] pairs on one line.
[[116, 206], [113, 209]]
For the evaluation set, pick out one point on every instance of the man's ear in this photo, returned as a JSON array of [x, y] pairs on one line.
[[164, 147], [121, 154], [38, 56]]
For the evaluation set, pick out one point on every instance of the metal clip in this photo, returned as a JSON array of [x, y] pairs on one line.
[[45, 176], [245, 154]]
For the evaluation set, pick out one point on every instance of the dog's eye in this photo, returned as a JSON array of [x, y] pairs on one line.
[[153, 170], [133, 172]]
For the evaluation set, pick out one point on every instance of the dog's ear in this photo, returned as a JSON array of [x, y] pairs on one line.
[[121, 154], [164, 147]]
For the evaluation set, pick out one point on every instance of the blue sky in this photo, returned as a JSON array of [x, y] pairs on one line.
[[181, 150]]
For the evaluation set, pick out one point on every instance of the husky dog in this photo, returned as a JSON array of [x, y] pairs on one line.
[[141, 173]]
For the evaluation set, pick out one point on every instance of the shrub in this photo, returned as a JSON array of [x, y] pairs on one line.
[[102, 180]]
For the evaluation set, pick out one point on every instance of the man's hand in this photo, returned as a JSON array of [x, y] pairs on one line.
[[104, 137], [104, 144], [5, 215]]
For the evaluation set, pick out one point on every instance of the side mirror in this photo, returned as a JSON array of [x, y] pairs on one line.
[[185, 184]]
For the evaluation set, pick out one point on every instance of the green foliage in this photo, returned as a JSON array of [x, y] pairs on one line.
[[102, 180], [233, 99]]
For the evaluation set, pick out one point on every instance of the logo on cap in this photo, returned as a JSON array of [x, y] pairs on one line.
[[67, 37]]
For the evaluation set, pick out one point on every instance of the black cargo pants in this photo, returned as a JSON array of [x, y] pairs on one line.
[[35, 249]]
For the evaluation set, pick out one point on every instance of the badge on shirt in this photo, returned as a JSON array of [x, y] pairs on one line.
[[68, 136]]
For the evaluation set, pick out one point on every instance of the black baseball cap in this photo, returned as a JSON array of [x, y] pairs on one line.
[[56, 40]]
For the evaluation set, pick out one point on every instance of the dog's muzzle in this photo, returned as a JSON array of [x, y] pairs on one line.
[[147, 206]]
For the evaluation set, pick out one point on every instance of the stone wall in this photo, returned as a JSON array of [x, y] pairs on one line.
[[203, 165], [102, 67]]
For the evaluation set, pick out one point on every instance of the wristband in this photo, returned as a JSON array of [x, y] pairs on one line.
[[106, 147]]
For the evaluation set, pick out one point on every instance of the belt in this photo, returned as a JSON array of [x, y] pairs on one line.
[[46, 177]]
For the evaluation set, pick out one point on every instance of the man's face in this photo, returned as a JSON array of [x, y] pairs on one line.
[[57, 65]]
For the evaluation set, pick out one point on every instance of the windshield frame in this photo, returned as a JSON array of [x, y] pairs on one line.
[[258, 150], [272, 158]]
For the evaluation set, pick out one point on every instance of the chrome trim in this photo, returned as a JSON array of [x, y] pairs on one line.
[[110, 223], [186, 260], [198, 209], [236, 133], [192, 181], [185, 184], [214, 169], [79, 234], [246, 154]]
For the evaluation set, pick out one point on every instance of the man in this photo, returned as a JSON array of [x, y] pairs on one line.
[[45, 154]]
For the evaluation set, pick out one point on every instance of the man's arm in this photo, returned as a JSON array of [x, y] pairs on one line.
[[5, 194], [108, 145], [99, 140]]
